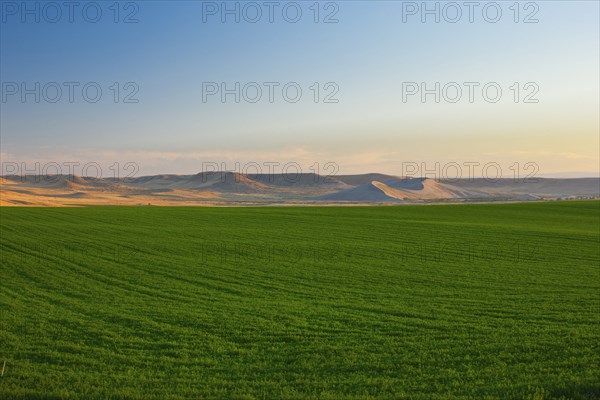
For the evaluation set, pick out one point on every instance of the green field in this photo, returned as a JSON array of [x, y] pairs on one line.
[[423, 302]]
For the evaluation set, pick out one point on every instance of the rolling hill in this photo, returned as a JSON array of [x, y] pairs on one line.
[[225, 188]]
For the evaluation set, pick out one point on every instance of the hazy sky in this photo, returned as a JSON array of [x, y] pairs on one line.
[[378, 52]]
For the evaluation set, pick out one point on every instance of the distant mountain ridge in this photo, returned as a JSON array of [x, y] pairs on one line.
[[222, 188]]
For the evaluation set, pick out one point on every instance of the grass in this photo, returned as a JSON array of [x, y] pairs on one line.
[[432, 302]]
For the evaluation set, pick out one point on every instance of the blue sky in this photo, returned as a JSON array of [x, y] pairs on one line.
[[170, 52]]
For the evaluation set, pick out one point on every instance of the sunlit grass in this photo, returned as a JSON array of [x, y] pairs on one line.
[[435, 302]]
